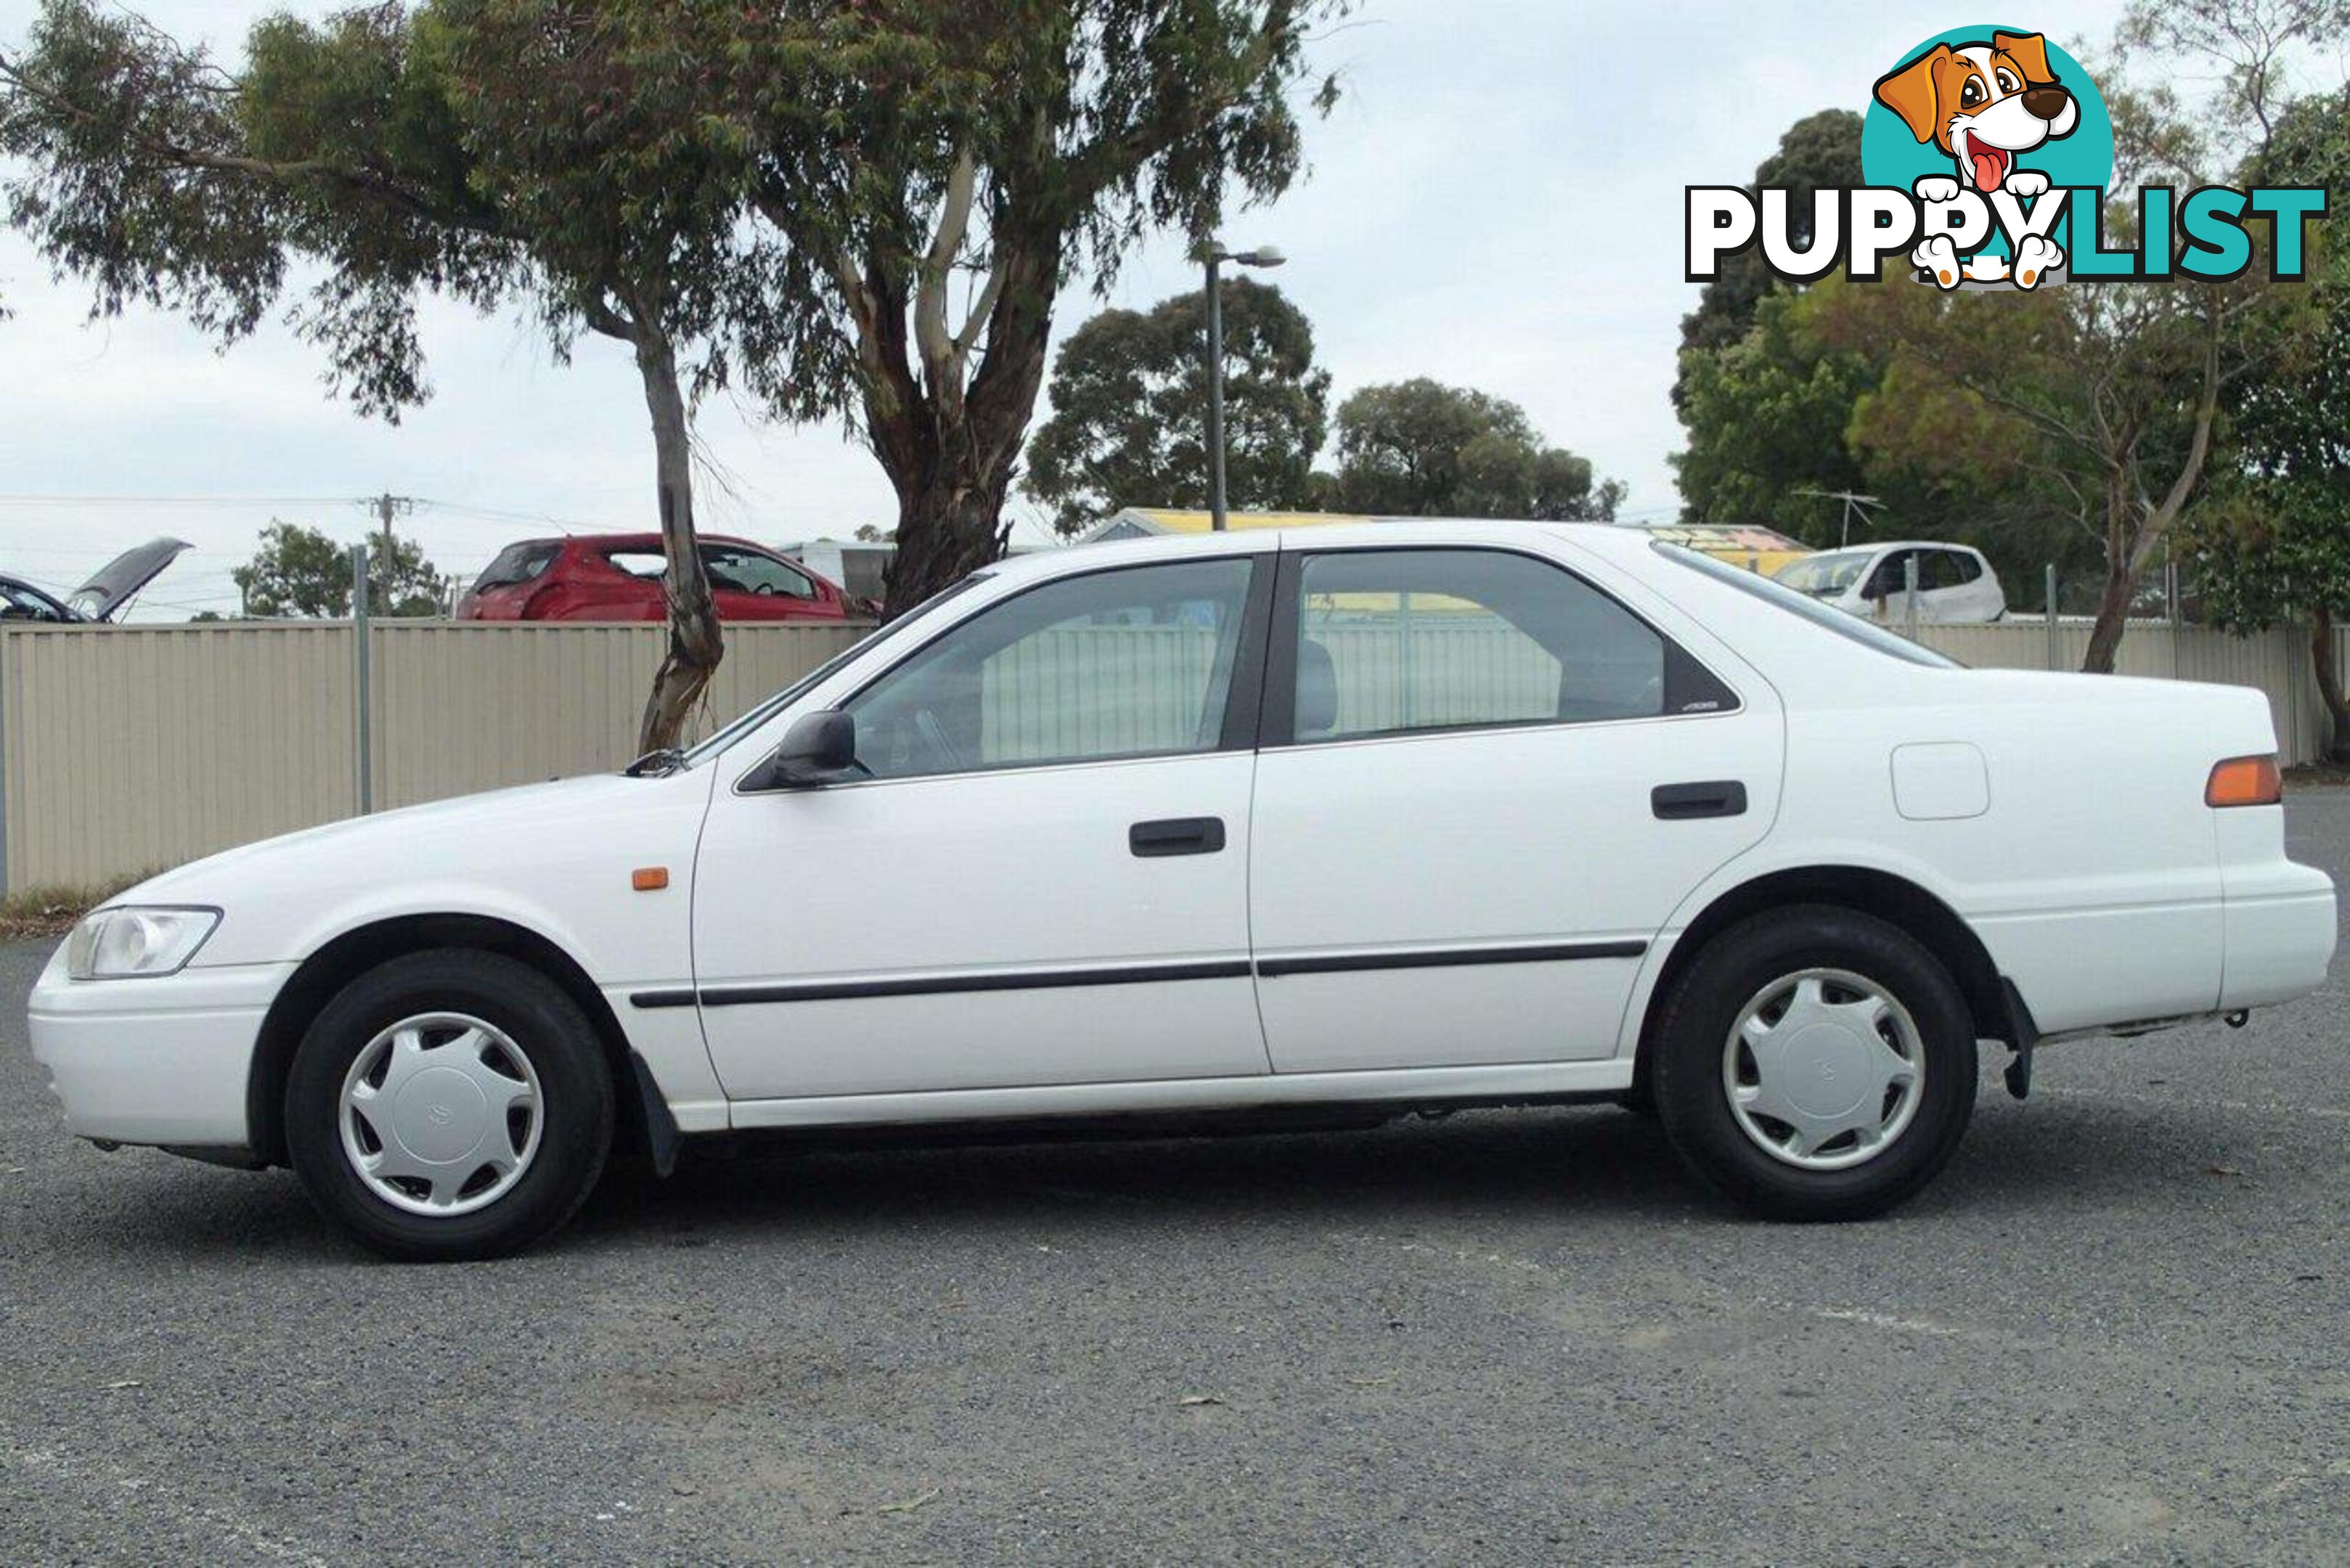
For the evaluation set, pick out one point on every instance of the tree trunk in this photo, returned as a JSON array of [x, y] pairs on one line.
[[951, 451], [2148, 524], [946, 531], [2329, 686], [2113, 618], [695, 644]]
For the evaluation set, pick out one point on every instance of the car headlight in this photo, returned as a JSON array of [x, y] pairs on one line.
[[131, 943]]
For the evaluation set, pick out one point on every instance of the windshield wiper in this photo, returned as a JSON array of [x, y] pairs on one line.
[[658, 764]]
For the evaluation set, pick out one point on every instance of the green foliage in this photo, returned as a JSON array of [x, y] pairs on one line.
[[2274, 545], [1820, 151], [118, 134], [1129, 396], [1420, 448], [937, 171], [300, 572], [1767, 415], [789, 196]]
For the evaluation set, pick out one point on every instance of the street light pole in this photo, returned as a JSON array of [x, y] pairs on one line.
[[1214, 255], [1215, 393]]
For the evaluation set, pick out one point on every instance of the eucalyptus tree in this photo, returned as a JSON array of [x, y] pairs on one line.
[[939, 171], [503, 153], [1129, 394], [783, 195]]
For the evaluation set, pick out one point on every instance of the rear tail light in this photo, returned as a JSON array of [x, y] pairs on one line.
[[2244, 780]]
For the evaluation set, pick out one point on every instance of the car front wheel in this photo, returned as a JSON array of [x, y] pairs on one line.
[[1815, 1064], [449, 1105]]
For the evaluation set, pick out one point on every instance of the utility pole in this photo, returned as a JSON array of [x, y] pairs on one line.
[[387, 507]]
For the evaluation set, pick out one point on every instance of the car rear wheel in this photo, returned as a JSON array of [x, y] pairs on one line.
[[449, 1105], [1815, 1064]]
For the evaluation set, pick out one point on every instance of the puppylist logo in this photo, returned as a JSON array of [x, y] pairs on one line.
[[1987, 151]]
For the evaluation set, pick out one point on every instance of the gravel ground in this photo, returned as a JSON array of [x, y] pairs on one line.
[[2114, 1329]]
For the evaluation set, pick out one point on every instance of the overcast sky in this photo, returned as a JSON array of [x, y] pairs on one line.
[[1496, 203]]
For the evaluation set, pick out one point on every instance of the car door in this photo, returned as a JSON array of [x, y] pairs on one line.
[[1970, 590], [616, 582], [1942, 589], [1041, 878], [751, 585], [1888, 585], [1485, 786]]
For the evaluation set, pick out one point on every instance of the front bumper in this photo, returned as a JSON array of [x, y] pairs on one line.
[[162, 1061]]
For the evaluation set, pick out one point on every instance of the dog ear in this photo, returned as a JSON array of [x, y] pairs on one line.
[[2029, 50], [1908, 92]]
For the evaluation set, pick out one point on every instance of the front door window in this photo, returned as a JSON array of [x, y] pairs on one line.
[[1136, 662]]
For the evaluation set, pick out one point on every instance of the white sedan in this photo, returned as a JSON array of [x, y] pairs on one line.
[[1378, 819]]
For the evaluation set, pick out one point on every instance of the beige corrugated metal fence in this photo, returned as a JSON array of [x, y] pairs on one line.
[[2277, 663], [124, 749], [127, 748]]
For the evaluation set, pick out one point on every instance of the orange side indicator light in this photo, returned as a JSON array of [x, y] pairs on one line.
[[648, 879], [2245, 780]]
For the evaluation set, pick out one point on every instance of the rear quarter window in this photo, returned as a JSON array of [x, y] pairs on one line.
[[518, 563], [1851, 628]]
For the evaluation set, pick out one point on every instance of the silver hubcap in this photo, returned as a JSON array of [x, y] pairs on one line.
[[1823, 1069], [441, 1114]]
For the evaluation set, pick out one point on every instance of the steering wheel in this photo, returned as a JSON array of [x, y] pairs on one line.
[[926, 725], [765, 589]]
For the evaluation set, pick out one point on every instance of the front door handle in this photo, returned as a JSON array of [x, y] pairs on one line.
[[1684, 802], [1177, 836]]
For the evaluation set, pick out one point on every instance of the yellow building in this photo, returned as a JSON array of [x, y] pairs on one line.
[[1758, 549], [1143, 522]]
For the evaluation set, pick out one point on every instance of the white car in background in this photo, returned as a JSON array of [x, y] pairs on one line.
[[1418, 815], [1955, 583]]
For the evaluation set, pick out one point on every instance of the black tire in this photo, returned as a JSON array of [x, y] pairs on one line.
[[576, 1089], [1705, 1003]]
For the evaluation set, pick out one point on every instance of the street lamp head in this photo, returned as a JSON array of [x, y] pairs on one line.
[[1264, 255]]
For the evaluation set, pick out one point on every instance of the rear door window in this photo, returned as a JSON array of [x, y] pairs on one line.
[[1391, 642], [734, 569], [646, 563]]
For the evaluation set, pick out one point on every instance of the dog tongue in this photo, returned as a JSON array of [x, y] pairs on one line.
[[1989, 163]]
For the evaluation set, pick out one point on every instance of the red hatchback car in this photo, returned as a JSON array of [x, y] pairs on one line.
[[618, 577]]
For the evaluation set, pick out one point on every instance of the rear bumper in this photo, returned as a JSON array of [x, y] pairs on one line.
[[153, 1060], [2281, 930], [2267, 939]]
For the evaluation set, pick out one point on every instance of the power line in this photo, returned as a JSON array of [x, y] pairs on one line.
[[491, 513], [29, 500], [460, 508]]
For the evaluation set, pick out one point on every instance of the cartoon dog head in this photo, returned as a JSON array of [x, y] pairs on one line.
[[1982, 103]]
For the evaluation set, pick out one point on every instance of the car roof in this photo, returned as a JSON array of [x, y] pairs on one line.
[[650, 541], [1605, 538], [39, 592]]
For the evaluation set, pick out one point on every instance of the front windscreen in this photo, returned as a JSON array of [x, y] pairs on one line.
[[792, 693], [1825, 575]]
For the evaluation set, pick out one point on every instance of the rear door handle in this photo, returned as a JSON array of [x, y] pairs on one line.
[[1684, 801], [1177, 836]]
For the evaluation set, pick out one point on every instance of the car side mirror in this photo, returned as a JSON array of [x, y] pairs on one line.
[[820, 748]]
